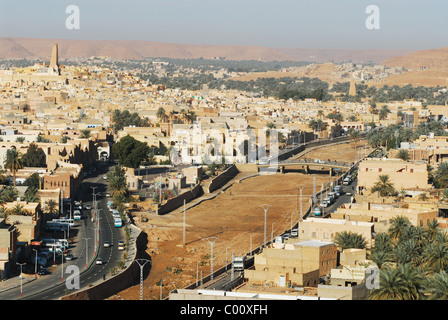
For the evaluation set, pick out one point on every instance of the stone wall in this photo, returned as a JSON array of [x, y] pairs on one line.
[[222, 179], [178, 201]]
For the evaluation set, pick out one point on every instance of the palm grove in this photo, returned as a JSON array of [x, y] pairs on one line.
[[14, 161], [413, 260]]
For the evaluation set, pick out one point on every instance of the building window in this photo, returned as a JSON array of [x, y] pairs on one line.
[[367, 169], [412, 170], [380, 169]]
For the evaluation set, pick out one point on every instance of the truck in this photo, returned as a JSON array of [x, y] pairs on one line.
[[239, 263]]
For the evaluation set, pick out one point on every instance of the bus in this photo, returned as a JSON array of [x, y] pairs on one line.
[[76, 215], [68, 221], [117, 222]]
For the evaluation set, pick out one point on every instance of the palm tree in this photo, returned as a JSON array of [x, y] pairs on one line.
[[413, 281], [403, 155], [445, 194], [18, 210], [32, 194], [384, 186], [397, 226], [401, 195], [392, 286], [423, 197], [436, 287], [348, 240], [431, 229], [117, 181], [435, 256], [161, 114], [9, 194], [383, 242], [52, 207], [13, 162], [381, 258], [441, 175], [85, 134]]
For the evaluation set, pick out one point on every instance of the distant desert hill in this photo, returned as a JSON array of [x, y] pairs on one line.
[[121, 49], [434, 59]]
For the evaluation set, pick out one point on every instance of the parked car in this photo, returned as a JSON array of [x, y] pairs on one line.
[[69, 257], [88, 207], [43, 271]]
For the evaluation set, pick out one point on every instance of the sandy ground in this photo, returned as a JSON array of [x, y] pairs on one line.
[[230, 218]]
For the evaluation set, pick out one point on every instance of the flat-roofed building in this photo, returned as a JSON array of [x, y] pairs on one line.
[[326, 229], [403, 174], [8, 246], [297, 264], [370, 212]]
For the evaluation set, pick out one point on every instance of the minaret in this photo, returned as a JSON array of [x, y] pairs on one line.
[[54, 56]]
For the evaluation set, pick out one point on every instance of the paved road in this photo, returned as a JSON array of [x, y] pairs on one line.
[[52, 286]]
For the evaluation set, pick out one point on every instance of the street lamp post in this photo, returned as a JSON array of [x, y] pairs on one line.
[[226, 256], [161, 285], [87, 255], [211, 241], [21, 278], [272, 232], [301, 213], [251, 243], [35, 265]]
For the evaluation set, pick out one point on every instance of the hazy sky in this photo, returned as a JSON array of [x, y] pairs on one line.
[[404, 24]]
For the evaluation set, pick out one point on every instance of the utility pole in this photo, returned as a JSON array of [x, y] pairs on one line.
[[141, 263], [265, 208], [184, 226]]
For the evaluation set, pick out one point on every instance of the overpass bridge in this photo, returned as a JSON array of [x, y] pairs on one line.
[[308, 165]]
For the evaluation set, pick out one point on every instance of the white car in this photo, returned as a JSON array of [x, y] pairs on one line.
[[88, 207], [99, 261], [104, 177]]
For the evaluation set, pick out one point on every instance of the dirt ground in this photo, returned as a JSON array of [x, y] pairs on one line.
[[231, 218]]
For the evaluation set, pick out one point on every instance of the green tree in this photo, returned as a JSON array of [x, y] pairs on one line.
[[13, 162], [34, 157], [436, 287], [51, 207], [441, 175], [32, 194], [403, 155], [392, 286], [130, 152], [85, 134], [397, 225], [116, 180], [435, 256], [348, 240], [384, 186]]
